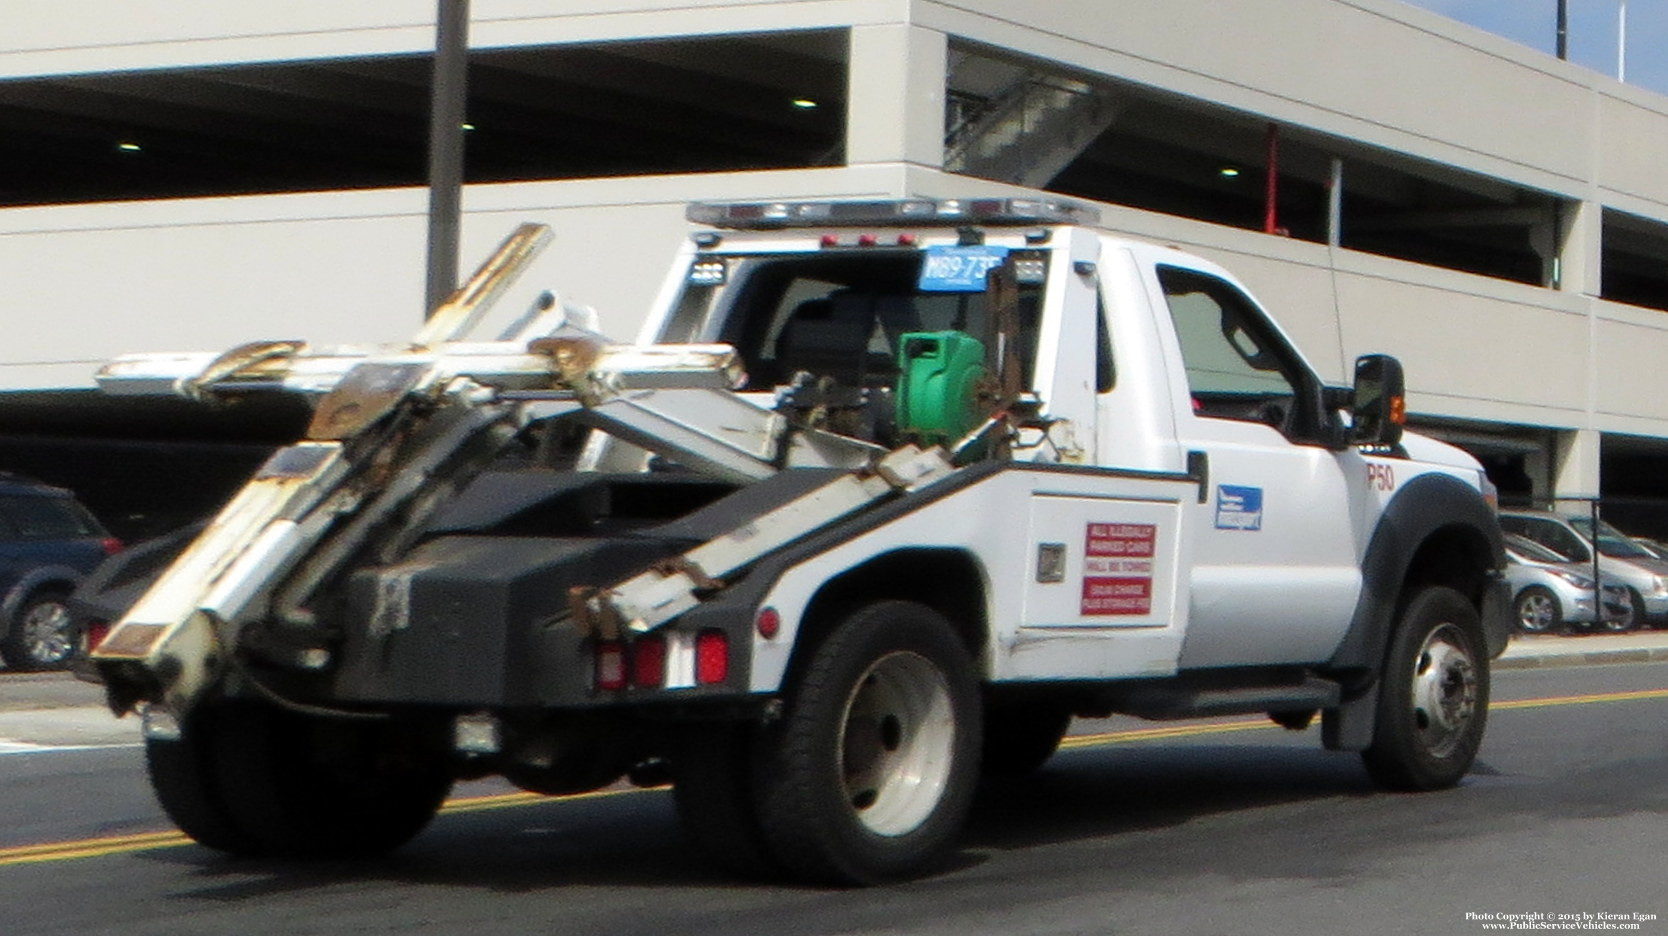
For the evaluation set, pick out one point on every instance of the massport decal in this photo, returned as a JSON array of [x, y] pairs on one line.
[[1239, 508]]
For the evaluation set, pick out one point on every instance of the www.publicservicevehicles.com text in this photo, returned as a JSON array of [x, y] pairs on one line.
[[1584, 920]]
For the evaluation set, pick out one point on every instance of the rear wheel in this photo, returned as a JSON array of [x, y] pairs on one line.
[[1538, 611], [1433, 695], [183, 777], [255, 780], [40, 635], [869, 775]]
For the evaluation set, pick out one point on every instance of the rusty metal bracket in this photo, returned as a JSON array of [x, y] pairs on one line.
[[701, 582]]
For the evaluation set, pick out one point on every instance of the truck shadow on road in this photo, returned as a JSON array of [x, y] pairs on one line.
[[1094, 793], [1101, 800]]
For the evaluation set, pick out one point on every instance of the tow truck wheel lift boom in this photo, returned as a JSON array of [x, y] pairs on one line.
[[398, 430]]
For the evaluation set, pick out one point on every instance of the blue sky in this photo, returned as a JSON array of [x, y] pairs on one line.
[[1592, 31]]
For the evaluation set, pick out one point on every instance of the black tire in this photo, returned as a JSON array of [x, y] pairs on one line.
[[41, 635], [1021, 738], [182, 776], [1433, 695], [255, 780], [1538, 611], [712, 785], [869, 774]]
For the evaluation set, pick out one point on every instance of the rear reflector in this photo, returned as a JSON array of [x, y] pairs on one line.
[[110, 545], [712, 657]]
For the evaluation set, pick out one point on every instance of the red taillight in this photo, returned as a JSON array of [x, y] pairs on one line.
[[768, 623], [867, 240], [712, 657], [648, 662], [829, 240], [110, 545], [610, 665], [93, 634]]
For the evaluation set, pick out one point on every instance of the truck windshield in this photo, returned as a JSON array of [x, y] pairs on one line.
[[834, 314]]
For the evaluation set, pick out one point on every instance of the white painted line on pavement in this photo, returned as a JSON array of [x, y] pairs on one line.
[[24, 747]]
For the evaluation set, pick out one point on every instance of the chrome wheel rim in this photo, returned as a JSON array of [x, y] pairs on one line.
[[897, 741], [1444, 691], [46, 632], [1535, 612]]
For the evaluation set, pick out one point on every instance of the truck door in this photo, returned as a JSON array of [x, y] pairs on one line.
[[1275, 576]]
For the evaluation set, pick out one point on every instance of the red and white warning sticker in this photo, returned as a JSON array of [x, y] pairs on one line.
[[1118, 568]]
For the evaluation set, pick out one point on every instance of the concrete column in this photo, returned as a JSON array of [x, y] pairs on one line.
[[1582, 246], [895, 95], [1577, 467]]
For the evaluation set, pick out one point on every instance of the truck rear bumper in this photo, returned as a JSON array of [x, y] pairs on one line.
[[482, 622]]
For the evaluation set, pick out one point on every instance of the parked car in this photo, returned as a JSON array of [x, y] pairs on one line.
[[1551, 592], [1644, 575], [1655, 547], [48, 544]]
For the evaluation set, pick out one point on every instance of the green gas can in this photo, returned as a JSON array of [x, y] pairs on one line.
[[938, 385]]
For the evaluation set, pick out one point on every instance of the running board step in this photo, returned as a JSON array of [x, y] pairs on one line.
[[1161, 701]]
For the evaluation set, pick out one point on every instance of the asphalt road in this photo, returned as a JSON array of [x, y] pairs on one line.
[[1201, 828]]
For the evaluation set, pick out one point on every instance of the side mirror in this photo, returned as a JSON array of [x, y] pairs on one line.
[[1378, 405]]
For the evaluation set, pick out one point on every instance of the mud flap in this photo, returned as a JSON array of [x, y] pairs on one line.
[[1349, 727]]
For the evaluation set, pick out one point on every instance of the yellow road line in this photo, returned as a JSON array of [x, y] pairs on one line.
[[148, 841], [1167, 731], [91, 848]]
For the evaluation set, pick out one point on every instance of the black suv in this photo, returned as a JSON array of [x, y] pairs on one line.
[[48, 544]]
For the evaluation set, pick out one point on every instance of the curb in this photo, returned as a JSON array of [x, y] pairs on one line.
[[1581, 658]]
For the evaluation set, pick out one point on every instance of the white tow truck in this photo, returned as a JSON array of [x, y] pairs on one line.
[[885, 494]]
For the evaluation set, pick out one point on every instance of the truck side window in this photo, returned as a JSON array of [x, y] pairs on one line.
[[1236, 369]]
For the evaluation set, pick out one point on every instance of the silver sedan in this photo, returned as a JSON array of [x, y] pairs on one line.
[[1551, 592]]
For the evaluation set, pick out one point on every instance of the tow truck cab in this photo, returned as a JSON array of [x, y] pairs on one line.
[[1123, 355]]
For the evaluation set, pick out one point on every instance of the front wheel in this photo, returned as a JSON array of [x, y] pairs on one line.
[[1538, 611], [1433, 696], [40, 635], [1622, 623], [869, 775]]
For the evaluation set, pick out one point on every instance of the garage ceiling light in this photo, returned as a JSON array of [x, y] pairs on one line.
[[127, 146]]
